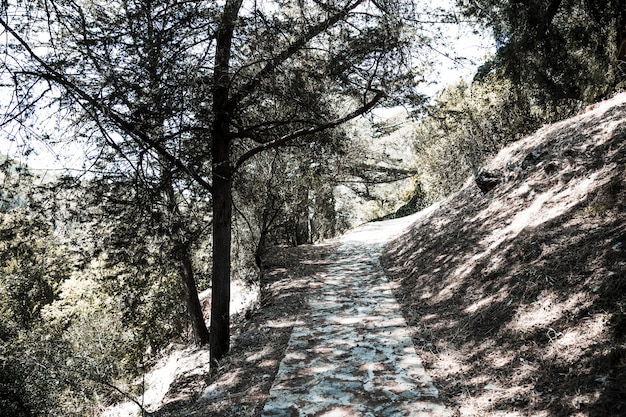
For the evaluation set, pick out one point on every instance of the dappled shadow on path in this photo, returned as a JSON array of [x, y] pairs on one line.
[[518, 297], [350, 353], [240, 385]]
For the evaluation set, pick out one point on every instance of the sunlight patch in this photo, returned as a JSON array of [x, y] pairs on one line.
[[485, 302], [450, 362], [282, 323], [260, 355], [501, 358], [545, 311], [574, 342]]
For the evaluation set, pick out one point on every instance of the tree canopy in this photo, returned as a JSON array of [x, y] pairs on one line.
[[184, 94], [560, 49]]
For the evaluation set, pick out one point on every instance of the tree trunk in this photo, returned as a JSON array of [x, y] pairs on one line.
[[200, 331], [182, 254], [220, 301], [222, 182]]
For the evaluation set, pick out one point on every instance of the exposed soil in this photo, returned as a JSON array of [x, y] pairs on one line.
[[517, 297]]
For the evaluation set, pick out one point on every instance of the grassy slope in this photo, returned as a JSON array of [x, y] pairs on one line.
[[518, 297]]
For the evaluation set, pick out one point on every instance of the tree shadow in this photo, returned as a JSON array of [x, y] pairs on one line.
[[240, 385], [517, 297]]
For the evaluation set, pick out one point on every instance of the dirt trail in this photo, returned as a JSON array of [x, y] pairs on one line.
[[350, 353]]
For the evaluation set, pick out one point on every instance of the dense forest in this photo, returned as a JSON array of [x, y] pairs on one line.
[[210, 132]]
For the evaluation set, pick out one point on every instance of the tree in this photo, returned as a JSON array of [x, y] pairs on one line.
[[297, 47], [33, 265], [467, 124], [81, 305], [561, 49], [286, 196], [211, 85], [120, 66], [129, 235]]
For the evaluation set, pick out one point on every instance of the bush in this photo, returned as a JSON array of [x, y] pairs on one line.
[[469, 123]]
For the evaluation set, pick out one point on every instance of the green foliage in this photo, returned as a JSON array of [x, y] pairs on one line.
[[380, 170], [552, 58], [466, 125], [98, 352], [32, 269], [559, 50], [135, 259], [287, 198], [415, 200], [312, 191], [84, 303]]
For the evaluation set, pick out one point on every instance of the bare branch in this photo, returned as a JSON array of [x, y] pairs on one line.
[[253, 132]]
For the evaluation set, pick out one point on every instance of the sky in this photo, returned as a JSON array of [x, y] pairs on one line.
[[471, 49]]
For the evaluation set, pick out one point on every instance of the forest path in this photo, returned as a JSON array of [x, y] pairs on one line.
[[351, 353]]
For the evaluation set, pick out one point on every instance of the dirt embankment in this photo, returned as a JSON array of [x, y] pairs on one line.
[[517, 296]]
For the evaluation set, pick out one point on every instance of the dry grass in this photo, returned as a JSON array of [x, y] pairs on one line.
[[517, 297]]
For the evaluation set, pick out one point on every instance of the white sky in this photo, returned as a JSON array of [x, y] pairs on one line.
[[471, 48]]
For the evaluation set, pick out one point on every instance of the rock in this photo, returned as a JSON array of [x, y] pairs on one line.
[[211, 393], [532, 158], [487, 180], [551, 168]]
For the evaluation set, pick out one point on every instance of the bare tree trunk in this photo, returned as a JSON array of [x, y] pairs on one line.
[[182, 254], [220, 301]]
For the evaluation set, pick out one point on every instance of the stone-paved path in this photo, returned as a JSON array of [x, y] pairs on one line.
[[351, 353]]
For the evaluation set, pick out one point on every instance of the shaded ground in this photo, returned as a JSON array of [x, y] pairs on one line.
[[241, 384], [517, 297]]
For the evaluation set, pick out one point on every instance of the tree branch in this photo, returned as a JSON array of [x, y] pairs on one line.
[[375, 174], [310, 131], [254, 131], [120, 391], [88, 102], [291, 50]]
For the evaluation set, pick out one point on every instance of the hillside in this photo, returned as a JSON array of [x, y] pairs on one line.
[[517, 296]]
